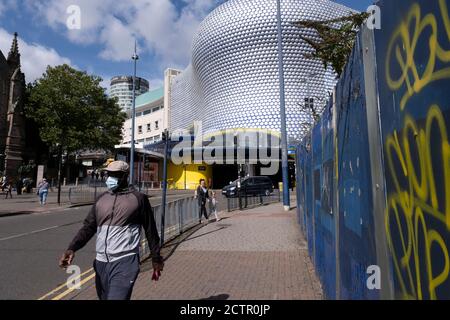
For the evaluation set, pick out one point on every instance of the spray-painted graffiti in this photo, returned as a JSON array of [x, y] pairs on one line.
[[417, 151], [403, 49], [415, 214], [399, 218]]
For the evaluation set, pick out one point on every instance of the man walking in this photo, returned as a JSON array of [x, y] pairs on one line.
[[118, 216], [202, 195]]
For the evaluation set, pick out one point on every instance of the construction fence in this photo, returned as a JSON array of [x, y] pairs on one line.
[[373, 175]]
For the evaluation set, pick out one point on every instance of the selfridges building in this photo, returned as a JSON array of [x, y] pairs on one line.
[[232, 81]]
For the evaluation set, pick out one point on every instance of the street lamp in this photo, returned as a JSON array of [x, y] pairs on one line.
[[166, 139], [135, 58], [284, 148], [60, 160]]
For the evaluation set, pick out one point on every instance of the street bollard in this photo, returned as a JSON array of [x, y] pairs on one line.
[[240, 200]]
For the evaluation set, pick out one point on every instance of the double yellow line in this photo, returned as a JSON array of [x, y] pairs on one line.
[[86, 279], [66, 292], [90, 274]]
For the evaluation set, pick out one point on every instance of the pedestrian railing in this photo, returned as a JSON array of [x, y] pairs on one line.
[[242, 202], [84, 194], [180, 215]]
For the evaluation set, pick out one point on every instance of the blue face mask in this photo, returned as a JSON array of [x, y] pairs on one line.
[[112, 183]]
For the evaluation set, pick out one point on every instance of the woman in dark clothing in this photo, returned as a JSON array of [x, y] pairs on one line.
[[202, 195]]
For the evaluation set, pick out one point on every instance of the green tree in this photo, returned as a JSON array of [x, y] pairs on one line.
[[336, 39], [26, 170], [73, 111]]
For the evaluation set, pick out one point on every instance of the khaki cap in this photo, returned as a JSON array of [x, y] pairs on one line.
[[118, 166]]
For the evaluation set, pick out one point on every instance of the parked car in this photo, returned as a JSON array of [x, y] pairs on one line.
[[250, 186]]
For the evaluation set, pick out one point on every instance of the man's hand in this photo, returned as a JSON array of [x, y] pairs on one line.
[[157, 268], [66, 259]]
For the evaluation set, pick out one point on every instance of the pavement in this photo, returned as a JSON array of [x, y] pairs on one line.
[[256, 254], [29, 204]]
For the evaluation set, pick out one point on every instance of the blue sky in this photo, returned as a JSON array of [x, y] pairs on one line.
[[102, 46]]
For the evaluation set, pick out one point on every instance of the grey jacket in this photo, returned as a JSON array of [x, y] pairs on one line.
[[118, 218]]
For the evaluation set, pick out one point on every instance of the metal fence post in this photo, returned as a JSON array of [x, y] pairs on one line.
[[180, 216], [240, 200], [376, 161]]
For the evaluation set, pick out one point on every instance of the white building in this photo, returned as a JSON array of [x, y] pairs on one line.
[[152, 114], [149, 119], [233, 80]]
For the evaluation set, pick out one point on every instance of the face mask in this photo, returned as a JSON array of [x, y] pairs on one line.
[[112, 183]]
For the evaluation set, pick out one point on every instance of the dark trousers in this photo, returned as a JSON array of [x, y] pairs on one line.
[[115, 280], [202, 212]]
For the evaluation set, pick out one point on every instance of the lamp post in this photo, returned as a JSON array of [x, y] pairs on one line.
[[133, 115], [284, 147], [60, 156], [165, 138]]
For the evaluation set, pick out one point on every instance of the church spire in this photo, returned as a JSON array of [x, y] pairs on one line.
[[14, 55]]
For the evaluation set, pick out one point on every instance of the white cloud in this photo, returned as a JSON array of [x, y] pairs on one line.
[[160, 27], [118, 41], [34, 57]]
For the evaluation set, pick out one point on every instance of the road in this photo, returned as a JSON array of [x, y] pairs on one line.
[[30, 246]]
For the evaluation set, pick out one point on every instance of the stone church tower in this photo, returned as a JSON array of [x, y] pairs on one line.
[[12, 118]]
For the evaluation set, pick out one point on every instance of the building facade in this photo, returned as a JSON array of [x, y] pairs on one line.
[[12, 119], [233, 79], [149, 119], [169, 76], [122, 88]]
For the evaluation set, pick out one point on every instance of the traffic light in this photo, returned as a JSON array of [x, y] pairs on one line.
[[165, 135]]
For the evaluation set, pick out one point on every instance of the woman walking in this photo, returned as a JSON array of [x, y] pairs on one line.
[[43, 187], [202, 195]]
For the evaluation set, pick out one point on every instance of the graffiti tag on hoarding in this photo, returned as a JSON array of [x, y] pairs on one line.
[[417, 156], [414, 205], [402, 52]]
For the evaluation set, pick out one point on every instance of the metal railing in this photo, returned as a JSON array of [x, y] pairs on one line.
[[242, 202], [84, 194], [181, 215]]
